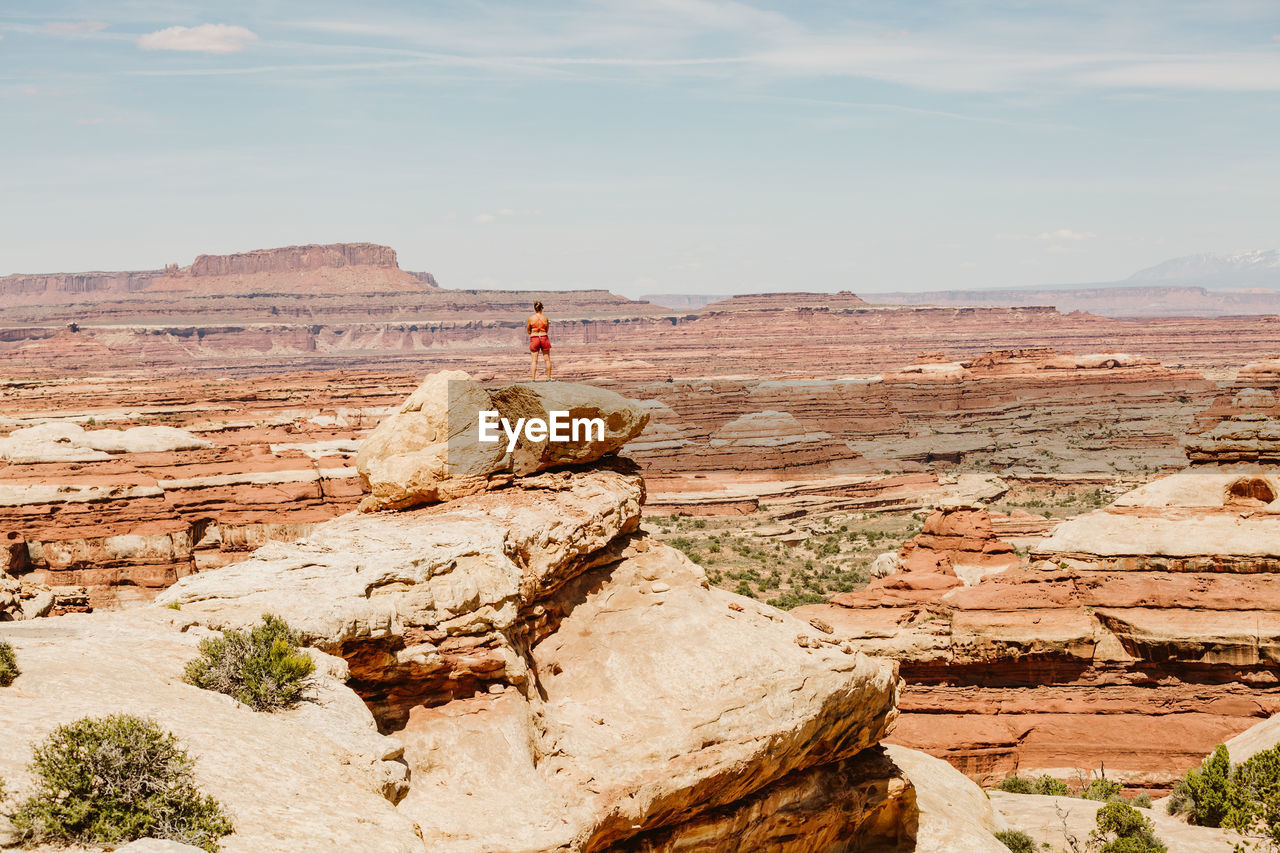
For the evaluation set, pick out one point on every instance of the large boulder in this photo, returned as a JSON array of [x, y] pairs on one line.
[[430, 450], [427, 452], [623, 420], [561, 682]]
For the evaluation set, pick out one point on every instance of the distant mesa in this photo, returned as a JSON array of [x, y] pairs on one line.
[[782, 301], [296, 259], [333, 268], [682, 301]]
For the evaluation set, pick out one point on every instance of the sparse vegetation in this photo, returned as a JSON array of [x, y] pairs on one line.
[[1122, 829], [1101, 789], [1244, 797], [8, 664], [828, 554], [1202, 794], [1016, 840], [263, 668], [1142, 801], [1017, 785], [1051, 787], [115, 779]]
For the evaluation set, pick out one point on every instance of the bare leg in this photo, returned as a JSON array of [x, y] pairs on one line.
[[533, 358], [548, 355]]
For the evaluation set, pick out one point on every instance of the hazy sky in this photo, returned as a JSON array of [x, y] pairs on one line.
[[646, 146]]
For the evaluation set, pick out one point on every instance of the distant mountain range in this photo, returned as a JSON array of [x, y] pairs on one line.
[[1205, 285], [1247, 269]]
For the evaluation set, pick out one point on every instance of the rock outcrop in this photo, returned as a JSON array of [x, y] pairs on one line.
[[538, 675], [957, 540], [318, 777], [69, 442], [528, 622], [431, 450], [1136, 636], [125, 512], [1245, 437], [296, 259]]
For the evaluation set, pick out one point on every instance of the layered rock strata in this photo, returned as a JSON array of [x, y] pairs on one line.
[[553, 679], [125, 513], [1137, 636]]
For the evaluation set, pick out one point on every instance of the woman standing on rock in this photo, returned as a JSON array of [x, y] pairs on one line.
[[539, 343]]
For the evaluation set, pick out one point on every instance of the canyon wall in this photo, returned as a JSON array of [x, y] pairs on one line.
[[1135, 636], [71, 287], [594, 694], [295, 259]]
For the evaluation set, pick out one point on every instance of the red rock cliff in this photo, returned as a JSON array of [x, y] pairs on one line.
[[295, 259]]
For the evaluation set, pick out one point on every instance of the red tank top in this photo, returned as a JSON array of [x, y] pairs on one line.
[[538, 326]]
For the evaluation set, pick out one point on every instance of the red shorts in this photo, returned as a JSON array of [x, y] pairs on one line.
[[539, 343]]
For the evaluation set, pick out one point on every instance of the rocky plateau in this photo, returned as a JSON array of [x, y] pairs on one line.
[[517, 668]]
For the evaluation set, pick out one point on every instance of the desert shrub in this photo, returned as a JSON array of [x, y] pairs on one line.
[[8, 664], [1253, 796], [1051, 787], [1142, 801], [1122, 829], [788, 600], [1203, 794], [1016, 840], [114, 779], [1016, 785], [263, 668], [1101, 789]]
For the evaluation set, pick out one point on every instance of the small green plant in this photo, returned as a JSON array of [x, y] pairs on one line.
[[1254, 798], [1121, 829], [1142, 801], [1101, 789], [173, 605], [1016, 785], [8, 664], [115, 779], [1016, 840], [1051, 787], [1203, 795], [263, 668]]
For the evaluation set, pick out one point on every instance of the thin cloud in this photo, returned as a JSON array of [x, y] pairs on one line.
[[484, 219], [644, 38], [74, 28], [1065, 234], [205, 38]]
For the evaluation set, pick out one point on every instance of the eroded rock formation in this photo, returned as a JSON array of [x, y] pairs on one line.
[[1136, 636], [586, 688], [296, 259]]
